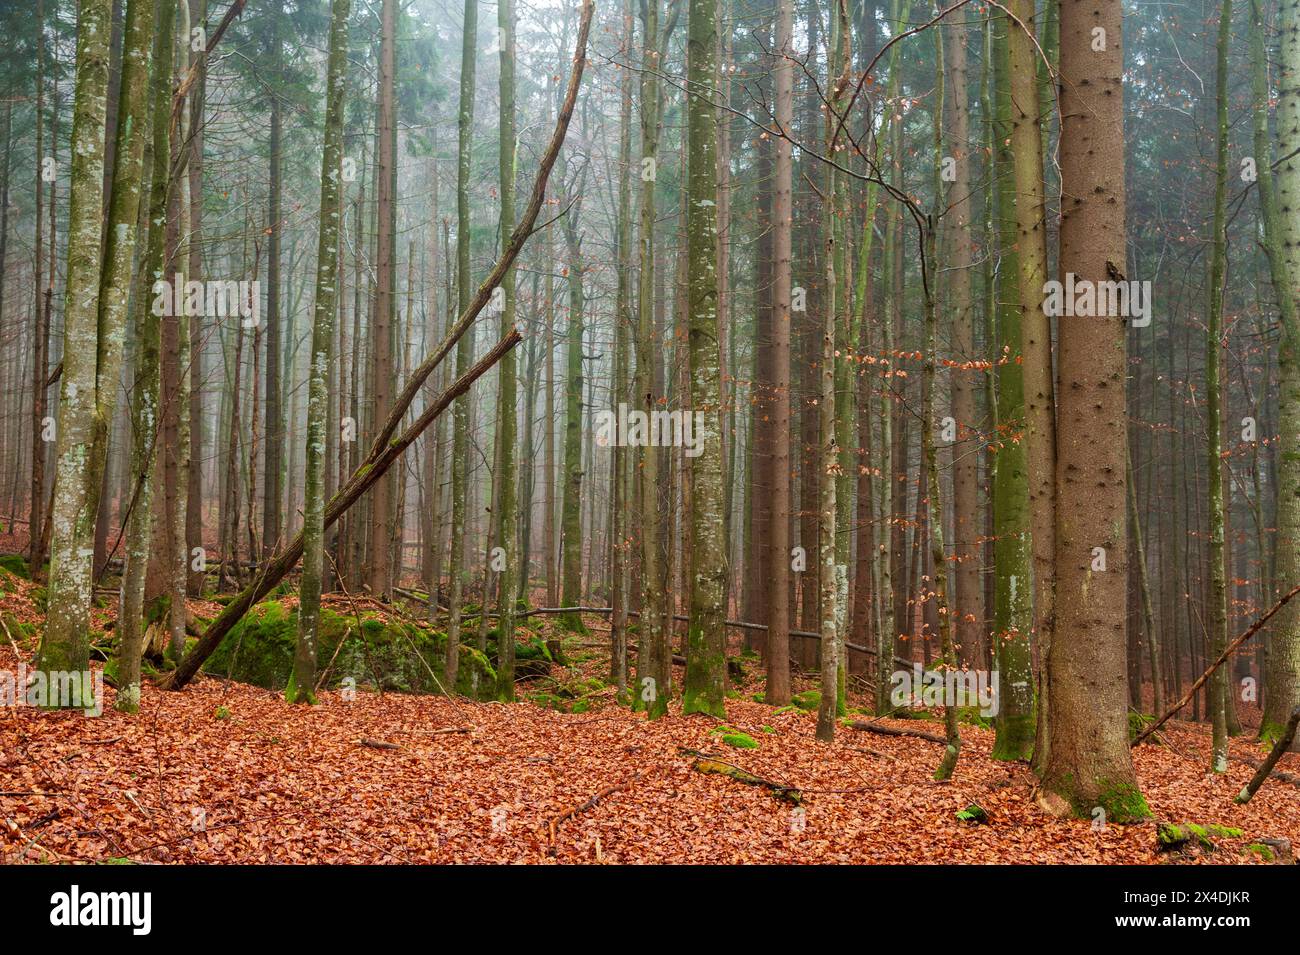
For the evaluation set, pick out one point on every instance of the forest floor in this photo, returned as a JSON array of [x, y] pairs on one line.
[[225, 772]]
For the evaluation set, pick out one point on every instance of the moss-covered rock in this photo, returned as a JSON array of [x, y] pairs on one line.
[[390, 654]]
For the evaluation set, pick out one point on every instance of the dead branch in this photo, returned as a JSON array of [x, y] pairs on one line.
[[555, 821], [1223, 658], [892, 731]]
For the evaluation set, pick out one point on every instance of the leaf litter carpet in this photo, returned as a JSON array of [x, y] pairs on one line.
[[228, 773]]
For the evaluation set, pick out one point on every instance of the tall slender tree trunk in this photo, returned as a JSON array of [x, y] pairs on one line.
[[464, 347], [273, 460], [144, 394], [1282, 243], [194, 472], [178, 400], [381, 501], [938, 603], [1217, 614], [302, 685], [620, 491], [515, 562], [833, 576], [40, 328], [1013, 610], [571, 507], [654, 671], [958, 254], [778, 523]]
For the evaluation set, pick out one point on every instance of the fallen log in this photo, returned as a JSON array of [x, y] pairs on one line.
[[711, 765], [892, 731], [377, 744]]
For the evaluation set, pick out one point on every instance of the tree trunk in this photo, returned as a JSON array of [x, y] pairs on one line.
[[515, 562], [302, 685], [571, 508], [464, 347], [1282, 676], [967, 527], [65, 645], [273, 432], [654, 672], [381, 500], [777, 517], [1088, 762], [704, 689], [1217, 613], [144, 394], [1013, 610]]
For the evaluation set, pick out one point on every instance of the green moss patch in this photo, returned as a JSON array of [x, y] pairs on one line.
[[388, 654], [734, 737]]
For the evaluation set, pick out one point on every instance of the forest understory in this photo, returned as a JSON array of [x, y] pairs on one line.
[[230, 773], [650, 431]]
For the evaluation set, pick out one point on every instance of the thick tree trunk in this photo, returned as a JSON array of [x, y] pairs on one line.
[[65, 645], [1088, 763], [1037, 388]]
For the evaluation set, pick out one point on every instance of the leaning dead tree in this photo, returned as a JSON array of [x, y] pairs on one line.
[[386, 448]]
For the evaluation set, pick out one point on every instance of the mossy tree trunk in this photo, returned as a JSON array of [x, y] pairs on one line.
[[144, 393], [704, 688], [456, 570], [515, 561], [571, 506], [302, 687], [1036, 398], [65, 645], [1013, 603]]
